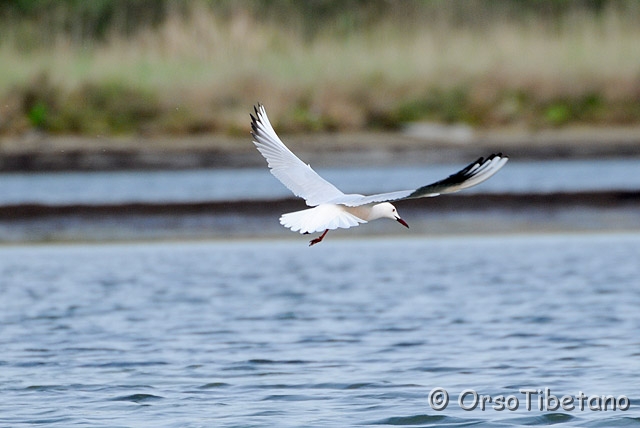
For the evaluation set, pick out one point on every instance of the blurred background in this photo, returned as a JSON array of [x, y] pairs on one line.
[[120, 116], [184, 67]]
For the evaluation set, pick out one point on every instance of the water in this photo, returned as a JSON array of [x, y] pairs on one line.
[[347, 333], [257, 183]]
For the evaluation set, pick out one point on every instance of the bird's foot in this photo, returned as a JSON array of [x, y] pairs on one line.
[[318, 239]]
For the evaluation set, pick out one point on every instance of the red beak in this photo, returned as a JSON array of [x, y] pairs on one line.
[[402, 222]]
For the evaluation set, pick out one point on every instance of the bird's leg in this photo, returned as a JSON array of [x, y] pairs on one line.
[[318, 239]]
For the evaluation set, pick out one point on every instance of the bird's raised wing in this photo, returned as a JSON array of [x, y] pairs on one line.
[[296, 175], [474, 173]]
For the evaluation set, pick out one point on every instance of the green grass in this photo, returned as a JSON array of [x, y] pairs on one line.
[[202, 73]]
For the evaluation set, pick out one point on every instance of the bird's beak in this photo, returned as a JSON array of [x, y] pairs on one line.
[[402, 222]]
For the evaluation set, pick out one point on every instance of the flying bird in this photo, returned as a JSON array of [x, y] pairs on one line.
[[334, 209]]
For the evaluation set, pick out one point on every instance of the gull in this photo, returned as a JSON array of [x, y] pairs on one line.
[[333, 209]]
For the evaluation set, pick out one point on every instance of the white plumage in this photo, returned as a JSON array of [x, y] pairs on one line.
[[320, 218], [334, 209]]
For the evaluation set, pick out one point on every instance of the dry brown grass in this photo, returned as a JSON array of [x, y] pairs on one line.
[[201, 73]]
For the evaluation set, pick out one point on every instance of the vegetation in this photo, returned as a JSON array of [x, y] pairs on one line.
[[178, 66]]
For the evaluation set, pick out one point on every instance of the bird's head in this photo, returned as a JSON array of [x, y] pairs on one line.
[[387, 210]]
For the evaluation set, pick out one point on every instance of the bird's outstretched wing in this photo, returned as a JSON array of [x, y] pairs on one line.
[[296, 175], [474, 173]]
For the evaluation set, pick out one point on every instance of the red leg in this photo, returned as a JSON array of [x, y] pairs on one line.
[[318, 239]]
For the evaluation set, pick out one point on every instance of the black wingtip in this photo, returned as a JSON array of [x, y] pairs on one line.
[[489, 158], [256, 109], [255, 120]]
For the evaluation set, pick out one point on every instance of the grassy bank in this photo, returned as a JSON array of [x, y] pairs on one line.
[[201, 70]]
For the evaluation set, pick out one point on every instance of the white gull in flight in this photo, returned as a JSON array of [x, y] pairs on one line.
[[333, 209]]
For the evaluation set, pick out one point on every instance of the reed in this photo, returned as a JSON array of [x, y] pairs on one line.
[[201, 71]]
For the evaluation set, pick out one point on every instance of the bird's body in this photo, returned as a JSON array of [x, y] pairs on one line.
[[333, 209], [333, 216]]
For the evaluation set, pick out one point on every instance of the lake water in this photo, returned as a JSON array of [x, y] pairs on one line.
[[347, 333], [256, 183]]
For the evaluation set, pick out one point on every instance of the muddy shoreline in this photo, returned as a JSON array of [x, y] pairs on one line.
[[616, 211], [268, 208], [40, 152]]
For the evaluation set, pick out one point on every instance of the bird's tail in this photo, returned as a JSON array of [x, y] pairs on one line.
[[319, 219]]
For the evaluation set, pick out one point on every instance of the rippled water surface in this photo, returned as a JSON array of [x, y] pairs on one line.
[[347, 333], [256, 183]]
